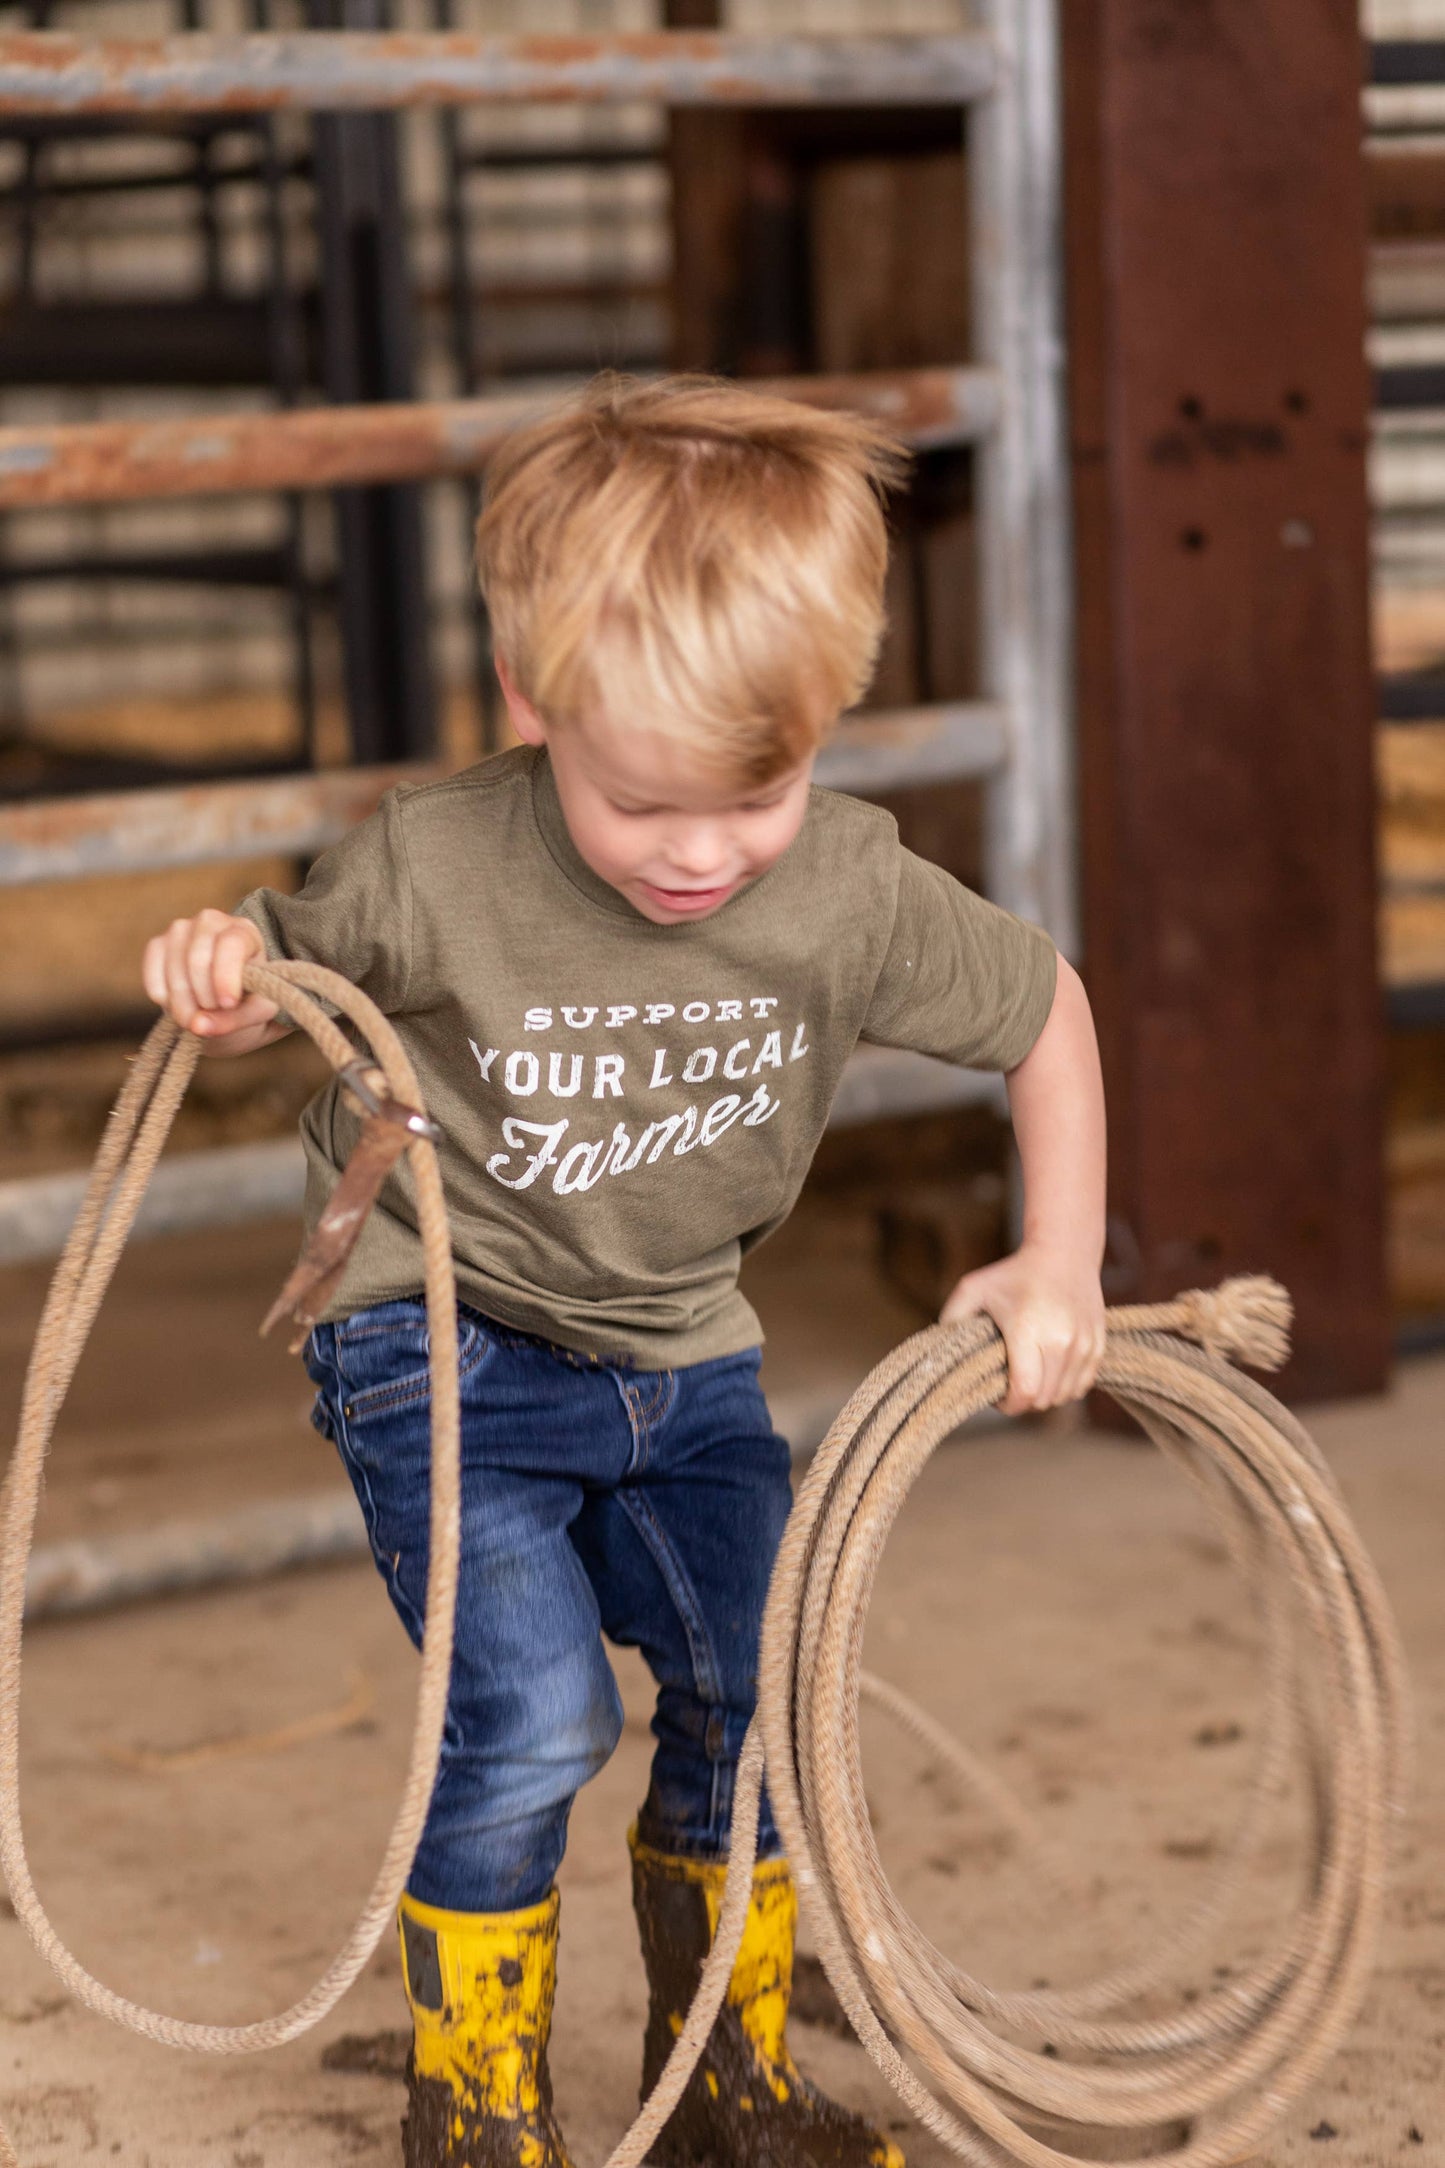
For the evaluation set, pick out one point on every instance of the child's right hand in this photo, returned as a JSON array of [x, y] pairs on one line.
[[193, 972]]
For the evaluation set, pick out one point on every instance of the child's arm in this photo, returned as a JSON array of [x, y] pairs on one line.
[[1046, 1298], [193, 971]]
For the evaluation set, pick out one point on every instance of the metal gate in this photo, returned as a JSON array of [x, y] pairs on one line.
[[1008, 403]]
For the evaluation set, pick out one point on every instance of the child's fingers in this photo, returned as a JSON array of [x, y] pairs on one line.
[[194, 970], [1083, 1366], [1051, 1377], [1065, 1371], [1025, 1374], [220, 948], [1065, 1368], [1055, 1368], [232, 953], [254, 1009], [1025, 1360], [1052, 1359], [180, 995], [153, 970], [1059, 1369], [199, 957], [1067, 1384]]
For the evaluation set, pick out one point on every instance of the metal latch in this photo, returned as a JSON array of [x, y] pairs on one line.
[[357, 1075]]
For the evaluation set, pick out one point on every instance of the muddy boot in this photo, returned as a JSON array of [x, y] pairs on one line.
[[480, 1987], [746, 2105]]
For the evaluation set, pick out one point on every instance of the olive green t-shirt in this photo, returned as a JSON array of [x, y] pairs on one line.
[[626, 1107]]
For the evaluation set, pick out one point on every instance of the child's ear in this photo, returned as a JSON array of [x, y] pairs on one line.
[[524, 719]]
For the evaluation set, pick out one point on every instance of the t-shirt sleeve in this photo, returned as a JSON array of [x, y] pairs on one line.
[[354, 912], [961, 979]]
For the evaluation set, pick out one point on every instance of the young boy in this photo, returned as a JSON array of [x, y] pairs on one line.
[[630, 959]]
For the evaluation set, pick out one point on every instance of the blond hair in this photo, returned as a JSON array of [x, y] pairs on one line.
[[694, 557]]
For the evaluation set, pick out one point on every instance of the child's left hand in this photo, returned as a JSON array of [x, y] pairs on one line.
[[1050, 1309]]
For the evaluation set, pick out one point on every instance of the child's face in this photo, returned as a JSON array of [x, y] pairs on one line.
[[656, 828]]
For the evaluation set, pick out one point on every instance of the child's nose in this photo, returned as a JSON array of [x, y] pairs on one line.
[[698, 849]]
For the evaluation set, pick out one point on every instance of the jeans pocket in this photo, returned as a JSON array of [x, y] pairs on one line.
[[383, 1358]]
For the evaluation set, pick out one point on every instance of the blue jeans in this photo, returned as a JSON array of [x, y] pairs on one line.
[[596, 1498]]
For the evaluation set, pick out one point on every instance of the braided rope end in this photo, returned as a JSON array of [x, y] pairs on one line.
[[1246, 1320]]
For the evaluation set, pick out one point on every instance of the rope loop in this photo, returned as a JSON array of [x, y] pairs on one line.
[[135, 1134], [1003, 2077]]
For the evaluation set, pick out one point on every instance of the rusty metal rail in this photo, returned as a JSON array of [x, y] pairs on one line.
[[51, 72], [139, 831], [327, 447]]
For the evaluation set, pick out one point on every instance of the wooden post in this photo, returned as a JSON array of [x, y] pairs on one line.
[[1216, 259]]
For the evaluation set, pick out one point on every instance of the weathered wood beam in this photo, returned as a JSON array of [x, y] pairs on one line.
[[1216, 259]]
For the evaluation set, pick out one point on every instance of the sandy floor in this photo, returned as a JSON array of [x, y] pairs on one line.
[[1052, 1595]]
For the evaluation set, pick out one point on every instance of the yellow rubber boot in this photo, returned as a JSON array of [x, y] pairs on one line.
[[747, 2105], [480, 1985]]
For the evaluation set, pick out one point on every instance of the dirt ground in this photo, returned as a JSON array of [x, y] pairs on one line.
[[1052, 1595]]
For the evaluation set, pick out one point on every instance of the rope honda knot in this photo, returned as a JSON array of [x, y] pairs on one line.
[[1246, 1319]]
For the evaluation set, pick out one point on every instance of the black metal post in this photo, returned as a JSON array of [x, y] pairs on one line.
[[367, 355]]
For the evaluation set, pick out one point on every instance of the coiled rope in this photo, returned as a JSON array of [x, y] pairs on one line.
[[1004, 2077]]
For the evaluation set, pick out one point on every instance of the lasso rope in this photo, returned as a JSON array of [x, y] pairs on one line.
[[129, 1149], [1227, 2065]]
